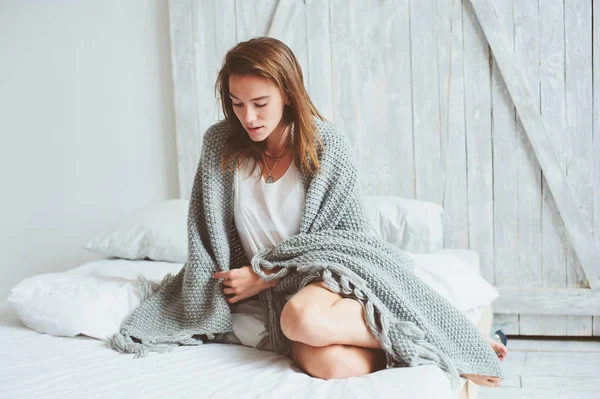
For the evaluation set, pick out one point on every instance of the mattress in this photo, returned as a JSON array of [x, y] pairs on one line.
[[40, 365]]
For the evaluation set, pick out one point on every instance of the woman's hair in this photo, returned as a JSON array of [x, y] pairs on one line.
[[271, 59]]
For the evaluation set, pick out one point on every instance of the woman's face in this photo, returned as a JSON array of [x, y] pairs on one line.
[[258, 103]]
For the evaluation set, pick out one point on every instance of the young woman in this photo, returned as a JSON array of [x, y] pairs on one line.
[[274, 136]]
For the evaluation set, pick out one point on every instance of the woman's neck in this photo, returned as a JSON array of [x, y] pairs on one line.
[[275, 143]]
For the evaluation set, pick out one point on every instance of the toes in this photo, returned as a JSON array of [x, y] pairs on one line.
[[493, 381], [483, 380]]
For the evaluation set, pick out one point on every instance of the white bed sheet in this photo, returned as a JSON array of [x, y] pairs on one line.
[[39, 365]]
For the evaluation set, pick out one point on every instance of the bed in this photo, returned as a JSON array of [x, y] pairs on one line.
[[42, 365]]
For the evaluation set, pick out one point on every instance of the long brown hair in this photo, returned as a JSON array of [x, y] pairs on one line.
[[271, 59]]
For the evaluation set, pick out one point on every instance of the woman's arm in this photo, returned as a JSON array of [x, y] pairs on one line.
[[243, 283]]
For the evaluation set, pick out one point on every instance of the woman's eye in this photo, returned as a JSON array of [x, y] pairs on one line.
[[261, 105]]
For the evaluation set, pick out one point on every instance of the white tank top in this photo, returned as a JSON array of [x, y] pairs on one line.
[[266, 214]]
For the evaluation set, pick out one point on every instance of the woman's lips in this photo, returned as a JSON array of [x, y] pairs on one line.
[[254, 129]]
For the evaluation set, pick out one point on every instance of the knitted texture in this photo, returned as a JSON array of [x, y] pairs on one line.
[[414, 324]]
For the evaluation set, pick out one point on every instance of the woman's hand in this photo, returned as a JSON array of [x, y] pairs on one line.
[[242, 283]]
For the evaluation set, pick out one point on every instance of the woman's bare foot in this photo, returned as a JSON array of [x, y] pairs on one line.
[[483, 380], [498, 347]]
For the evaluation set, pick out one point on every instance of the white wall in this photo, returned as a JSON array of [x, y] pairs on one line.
[[86, 126]]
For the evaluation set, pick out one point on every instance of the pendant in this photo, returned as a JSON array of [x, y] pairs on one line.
[[270, 180]]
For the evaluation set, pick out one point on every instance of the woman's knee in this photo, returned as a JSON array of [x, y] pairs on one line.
[[333, 361], [301, 323]]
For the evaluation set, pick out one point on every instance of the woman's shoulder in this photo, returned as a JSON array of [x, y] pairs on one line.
[[217, 133], [331, 135]]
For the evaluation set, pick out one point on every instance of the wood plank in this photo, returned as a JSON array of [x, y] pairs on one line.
[[189, 141], [548, 301], [225, 36], [596, 326], [529, 253], [508, 323], [566, 383], [346, 110], [560, 364], [253, 18], [286, 12], [514, 362], [378, 149], [596, 123], [318, 80], [552, 93], [452, 123], [425, 99], [479, 142], [524, 101], [504, 150], [521, 393], [397, 97], [553, 345], [206, 64], [288, 24], [245, 20], [504, 147], [579, 115]]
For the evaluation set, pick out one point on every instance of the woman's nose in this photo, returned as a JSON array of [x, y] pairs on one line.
[[249, 115]]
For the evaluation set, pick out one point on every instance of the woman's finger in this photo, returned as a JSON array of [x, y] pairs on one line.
[[229, 290], [223, 275]]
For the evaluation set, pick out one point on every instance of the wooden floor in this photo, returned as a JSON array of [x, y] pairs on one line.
[[549, 369]]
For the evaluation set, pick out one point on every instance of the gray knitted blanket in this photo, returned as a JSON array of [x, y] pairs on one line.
[[414, 324]]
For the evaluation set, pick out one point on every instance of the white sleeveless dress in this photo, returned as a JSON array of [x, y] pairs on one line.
[[265, 214]]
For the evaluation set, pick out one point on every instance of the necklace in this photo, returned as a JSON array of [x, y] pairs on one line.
[[270, 179]]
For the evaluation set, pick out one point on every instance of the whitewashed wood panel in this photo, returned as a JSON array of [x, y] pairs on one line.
[[225, 38], [452, 123], [579, 115], [253, 18], [504, 148], [547, 301], [425, 100], [596, 123], [379, 152], [346, 112], [318, 78], [413, 85], [552, 97], [396, 100], [529, 255], [288, 24], [524, 99], [479, 141], [186, 98]]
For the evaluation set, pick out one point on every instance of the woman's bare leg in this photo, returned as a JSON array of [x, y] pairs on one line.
[[319, 318], [337, 361]]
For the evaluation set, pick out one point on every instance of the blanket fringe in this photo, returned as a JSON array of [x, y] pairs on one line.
[[337, 280], [124, 343], [426, 352]]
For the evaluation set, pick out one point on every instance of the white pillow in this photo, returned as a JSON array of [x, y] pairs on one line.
[[455, 280], [158, 232], [411, 225], [92, 299]]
